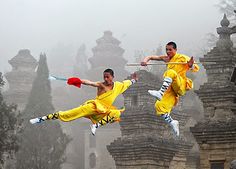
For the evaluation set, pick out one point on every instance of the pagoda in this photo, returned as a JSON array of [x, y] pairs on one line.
[[20, 78]]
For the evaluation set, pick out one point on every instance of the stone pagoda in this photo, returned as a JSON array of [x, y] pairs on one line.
[[216, 134], [146, 141], [107, 54], [186, 156], [81, 62], [21, 77]]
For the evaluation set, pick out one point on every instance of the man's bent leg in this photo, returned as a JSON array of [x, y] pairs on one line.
[[178, 84], [159, 93], [171, 78]]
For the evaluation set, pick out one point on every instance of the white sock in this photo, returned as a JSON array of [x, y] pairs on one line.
[[166, 83], [167, 118]]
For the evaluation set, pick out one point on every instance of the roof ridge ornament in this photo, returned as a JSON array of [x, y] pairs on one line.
[[224, 42]]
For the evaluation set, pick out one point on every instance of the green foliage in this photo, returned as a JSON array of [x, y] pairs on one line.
[[8, 125], [42, 146]]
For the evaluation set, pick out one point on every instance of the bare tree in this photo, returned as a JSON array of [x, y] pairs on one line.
[[228, 7]]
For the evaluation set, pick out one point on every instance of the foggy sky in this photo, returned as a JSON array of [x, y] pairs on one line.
[[40, 25]]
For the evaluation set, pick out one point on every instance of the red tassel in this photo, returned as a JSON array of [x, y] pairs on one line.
[[74, 81]]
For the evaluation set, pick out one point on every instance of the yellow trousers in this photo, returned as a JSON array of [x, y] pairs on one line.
[[170, 97], [92, 110], [85, 110], [110, 118]]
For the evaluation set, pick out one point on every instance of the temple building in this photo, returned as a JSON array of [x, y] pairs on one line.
[[216, 134], [20, 78]]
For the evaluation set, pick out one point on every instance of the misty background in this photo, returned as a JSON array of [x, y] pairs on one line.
[[59, 27], [59, 36]]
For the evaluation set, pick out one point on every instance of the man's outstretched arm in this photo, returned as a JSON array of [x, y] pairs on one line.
[[158, 58], [90, 83], [75, 81], [127, 83]]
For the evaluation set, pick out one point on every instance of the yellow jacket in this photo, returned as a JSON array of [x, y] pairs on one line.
[[182, 69], [103, 103]]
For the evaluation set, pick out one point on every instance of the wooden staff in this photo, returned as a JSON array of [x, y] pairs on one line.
[[168, 63]]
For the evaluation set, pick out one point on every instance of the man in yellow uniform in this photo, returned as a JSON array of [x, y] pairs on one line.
[[175, 82], [100, 110]]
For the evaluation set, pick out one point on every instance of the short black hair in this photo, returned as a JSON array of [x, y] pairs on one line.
[[172, 44], [109, 71]]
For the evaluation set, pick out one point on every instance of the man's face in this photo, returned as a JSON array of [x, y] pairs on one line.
[[170, 51], [108, 78]]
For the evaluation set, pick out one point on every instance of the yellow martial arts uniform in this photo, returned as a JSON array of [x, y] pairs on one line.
[[98, 108], [180, 83]]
